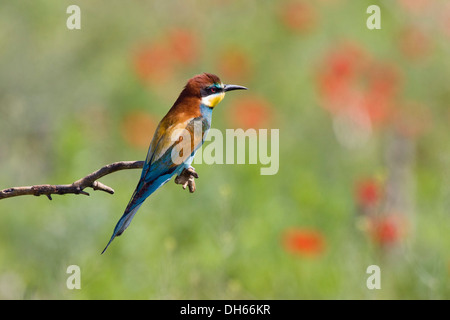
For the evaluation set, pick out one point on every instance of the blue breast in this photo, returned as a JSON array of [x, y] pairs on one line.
[[206, 114]]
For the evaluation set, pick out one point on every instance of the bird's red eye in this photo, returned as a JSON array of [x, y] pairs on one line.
[[213, 89]]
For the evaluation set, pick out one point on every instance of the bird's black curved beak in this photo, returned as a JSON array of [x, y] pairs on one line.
[[231, 87]]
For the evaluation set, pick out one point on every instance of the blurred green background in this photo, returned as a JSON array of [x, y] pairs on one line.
[[364, 176]]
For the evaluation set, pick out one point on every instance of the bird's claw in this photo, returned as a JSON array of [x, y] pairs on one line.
[[186, 178]]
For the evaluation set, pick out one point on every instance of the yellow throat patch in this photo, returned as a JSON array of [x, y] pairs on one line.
[[213, 99]]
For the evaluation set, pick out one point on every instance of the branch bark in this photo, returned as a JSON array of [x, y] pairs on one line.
[[90, 181]]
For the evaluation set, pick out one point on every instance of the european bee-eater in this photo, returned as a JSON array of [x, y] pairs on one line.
[[193, 106]]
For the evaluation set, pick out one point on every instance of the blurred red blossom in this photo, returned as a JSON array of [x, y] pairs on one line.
[[152, 63], [415, 6], [388, 229], [298, 16], [414, 43], [383, 83], [384, 228], [156, 61], [251, 111], [304, 242], [137, 129], [368, 192], [234, 65], [350, 81], [444, 19], [183, 46]]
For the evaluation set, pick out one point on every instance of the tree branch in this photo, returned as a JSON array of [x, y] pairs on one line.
[[90, 181]]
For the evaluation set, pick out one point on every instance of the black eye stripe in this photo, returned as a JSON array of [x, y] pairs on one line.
[[210, 90]]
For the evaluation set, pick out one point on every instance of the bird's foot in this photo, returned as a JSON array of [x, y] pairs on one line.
[[186, 178]]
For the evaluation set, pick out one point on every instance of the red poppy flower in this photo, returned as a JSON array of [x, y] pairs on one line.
[[298, 16], [251, 112], [183, 46], [304, 242], [415, 6], [337, 76], [444, 20], [414, 43], [234, 65], [137, 129], [368, 192], [351, 81], [153, 63], [388, 229], [380, 94]]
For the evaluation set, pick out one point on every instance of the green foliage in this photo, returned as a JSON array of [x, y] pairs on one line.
[[64, 98]]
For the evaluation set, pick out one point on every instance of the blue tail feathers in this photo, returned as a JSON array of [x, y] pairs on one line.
[[143, 190], [123, 223]]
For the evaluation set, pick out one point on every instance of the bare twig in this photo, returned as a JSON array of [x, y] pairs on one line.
[[90, 181]]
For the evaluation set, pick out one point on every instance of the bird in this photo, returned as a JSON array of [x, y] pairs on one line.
[[184, 127]]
